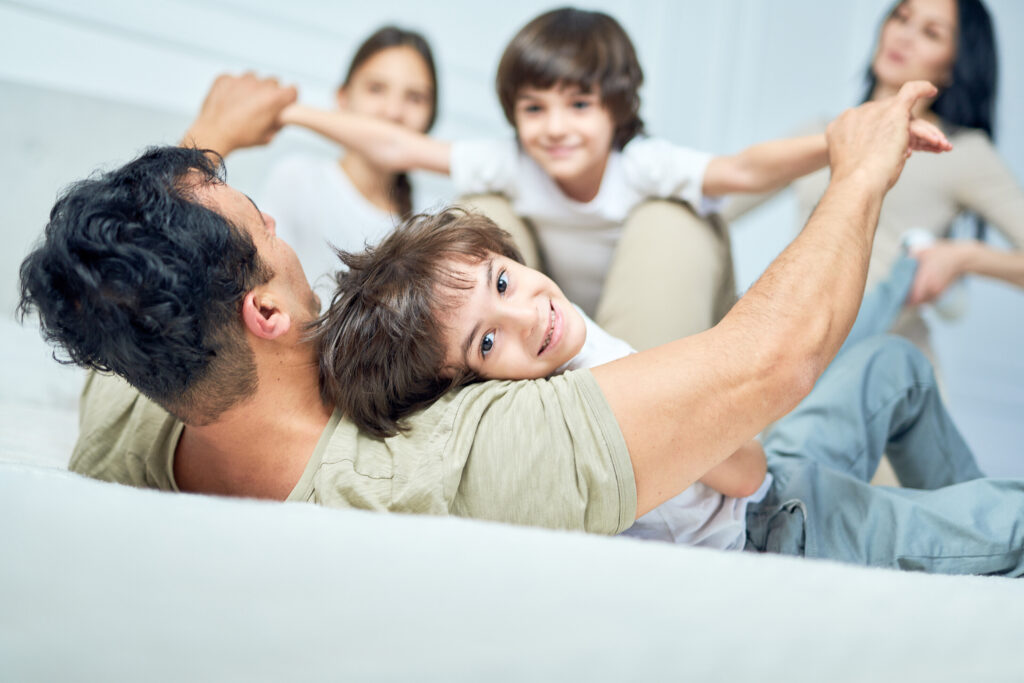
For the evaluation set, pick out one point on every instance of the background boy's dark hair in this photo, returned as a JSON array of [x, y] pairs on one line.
[[576, 47], [380, 344], [136, 276]]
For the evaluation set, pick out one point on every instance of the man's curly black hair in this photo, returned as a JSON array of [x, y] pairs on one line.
[[134, 275]]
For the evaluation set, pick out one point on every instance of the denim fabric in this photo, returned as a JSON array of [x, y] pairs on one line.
[[880, 396]]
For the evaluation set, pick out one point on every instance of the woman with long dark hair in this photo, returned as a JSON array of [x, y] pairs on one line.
[[350, 201], [952, 44]]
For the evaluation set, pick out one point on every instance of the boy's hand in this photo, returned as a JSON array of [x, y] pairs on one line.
[[872, 141], [927, 137], [239, 111]]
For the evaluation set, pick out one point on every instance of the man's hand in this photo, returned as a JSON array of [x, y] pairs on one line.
[[872, 141], [239, 111]]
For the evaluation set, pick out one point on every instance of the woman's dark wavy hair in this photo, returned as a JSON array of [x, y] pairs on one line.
[[970, 98], [135, 276], [386, 38], [569, 46], [380, 344]]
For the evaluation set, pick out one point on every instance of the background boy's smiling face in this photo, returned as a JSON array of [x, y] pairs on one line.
[[513, 323], [569, 133]]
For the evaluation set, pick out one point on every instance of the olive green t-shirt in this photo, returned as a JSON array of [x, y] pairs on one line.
[[542, 453]]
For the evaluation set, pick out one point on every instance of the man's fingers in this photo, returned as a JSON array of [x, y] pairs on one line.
[[912, 91]]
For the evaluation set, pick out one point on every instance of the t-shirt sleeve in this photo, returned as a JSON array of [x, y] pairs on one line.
[[541, 453], [986, 186], [123, 437], [658, 168], [485, 167]]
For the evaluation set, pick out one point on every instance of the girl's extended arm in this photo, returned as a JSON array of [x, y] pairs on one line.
[[770, 165], [741, 474], [387, 145]]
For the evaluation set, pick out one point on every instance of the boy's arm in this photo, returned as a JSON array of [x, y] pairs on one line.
[[387, 145], [765, 166], [684, 407], [741, 474], [770, 165]]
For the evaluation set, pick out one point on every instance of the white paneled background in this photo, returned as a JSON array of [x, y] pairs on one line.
[[87, 84]]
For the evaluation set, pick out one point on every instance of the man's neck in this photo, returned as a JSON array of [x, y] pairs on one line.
[[261, 447]]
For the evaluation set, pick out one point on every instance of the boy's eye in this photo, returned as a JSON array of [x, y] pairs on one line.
[[581, 104], [530, 108], [486, 344], [502, 283]]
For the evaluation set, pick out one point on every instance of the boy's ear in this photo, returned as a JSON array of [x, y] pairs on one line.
[[341, 98], [262, 316]]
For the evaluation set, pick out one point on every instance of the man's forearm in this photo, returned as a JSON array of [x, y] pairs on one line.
[[685, 407]]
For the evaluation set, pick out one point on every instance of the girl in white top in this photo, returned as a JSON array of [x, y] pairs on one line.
[[579, 164], [353, 201]]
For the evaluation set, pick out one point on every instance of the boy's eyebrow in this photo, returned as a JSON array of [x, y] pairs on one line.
[[476, 327]]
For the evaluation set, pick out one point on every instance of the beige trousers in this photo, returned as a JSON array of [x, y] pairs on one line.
[[671, 275]]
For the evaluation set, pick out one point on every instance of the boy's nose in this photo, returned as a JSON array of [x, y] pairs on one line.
[[555, 123], [521, 317]]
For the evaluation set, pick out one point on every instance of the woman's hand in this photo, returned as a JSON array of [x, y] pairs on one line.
[[939, 266]]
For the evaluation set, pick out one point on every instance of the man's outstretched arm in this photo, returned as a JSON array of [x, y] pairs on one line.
[[684, 407]]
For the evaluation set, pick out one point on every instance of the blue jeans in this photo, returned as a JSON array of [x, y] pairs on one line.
[[880, 396]]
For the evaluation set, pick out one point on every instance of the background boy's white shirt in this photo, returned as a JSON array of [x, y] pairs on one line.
[[578, 238], [699, 515]]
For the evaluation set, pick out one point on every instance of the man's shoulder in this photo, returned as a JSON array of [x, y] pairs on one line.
[[480, 451], [123, 436]]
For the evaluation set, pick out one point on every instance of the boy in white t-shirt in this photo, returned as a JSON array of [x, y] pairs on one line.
[[445, 300], [580, 162]]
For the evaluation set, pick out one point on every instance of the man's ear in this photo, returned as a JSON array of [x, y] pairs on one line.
[[262, 317]]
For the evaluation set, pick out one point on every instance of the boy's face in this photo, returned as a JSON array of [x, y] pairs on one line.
[[569, 133], [513, 323]]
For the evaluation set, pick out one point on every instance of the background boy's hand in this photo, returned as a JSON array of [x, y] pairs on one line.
[[239, 111], [872, 141], [927, 137]]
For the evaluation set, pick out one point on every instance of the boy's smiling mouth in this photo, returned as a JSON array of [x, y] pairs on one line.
[[551, 328]]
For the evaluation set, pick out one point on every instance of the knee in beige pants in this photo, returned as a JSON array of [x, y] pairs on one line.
[[671, 275], [499, 209]]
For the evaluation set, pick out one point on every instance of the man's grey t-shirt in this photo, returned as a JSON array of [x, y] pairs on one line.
[[542, 453]]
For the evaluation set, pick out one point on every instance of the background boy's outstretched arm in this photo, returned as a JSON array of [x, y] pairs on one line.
[[770, 165], [388, 145], [685, 407]]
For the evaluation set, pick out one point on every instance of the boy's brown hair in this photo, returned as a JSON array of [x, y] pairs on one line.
[[380, 344], [576, 47]]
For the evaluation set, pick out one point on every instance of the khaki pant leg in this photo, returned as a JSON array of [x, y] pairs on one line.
[[499, 209], [671, 276]]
